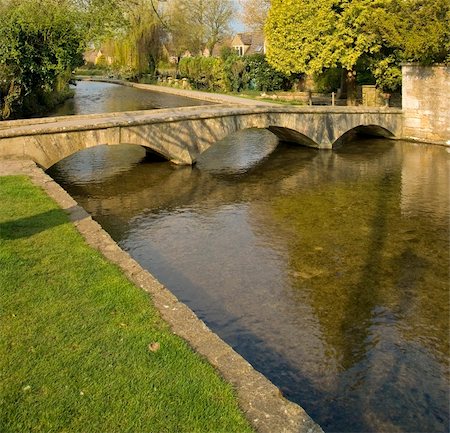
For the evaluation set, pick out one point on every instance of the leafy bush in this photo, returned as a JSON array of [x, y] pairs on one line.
[[388, 74], [204, 73], [232, 73], [328, 81], [262, 76], [40, 45]]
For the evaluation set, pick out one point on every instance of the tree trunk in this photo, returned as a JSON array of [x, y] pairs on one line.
[[350, 80]]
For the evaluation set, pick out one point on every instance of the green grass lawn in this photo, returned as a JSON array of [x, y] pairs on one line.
[[74, 338]]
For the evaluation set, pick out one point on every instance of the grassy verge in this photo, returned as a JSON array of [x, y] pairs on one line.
[[256, 94], [75, 335], [91, 72]]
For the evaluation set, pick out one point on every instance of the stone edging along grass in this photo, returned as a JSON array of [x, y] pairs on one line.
[[260, 400]]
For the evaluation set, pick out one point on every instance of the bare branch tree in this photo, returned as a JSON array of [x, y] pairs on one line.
[[254, 13], [196, 24]]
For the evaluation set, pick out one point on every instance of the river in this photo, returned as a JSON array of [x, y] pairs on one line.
[[93, 97], [327, 270]]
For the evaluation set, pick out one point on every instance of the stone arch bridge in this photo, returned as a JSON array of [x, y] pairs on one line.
[[181, 134]]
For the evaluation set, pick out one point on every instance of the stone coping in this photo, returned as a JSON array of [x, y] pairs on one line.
[[264, 406]]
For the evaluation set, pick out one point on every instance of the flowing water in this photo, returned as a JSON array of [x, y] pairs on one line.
[[327, 270], [95, 97]]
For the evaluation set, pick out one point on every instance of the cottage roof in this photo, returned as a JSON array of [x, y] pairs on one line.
[[254, 41], [257, 44]]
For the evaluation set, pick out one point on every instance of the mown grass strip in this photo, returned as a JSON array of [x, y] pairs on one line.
[[75, 335]]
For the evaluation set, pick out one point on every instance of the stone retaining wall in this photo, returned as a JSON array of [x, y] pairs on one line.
[[426, 106]]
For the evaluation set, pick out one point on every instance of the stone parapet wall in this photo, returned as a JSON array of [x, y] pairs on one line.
[[181, 135], [426, 106]]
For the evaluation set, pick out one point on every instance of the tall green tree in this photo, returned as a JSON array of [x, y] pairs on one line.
[[415, 31], [127, 31], [422, 30], [308, 36], [136, 46]]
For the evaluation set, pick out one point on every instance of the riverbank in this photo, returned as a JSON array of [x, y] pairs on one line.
[[84, 347], [37, 105], [194, 94]]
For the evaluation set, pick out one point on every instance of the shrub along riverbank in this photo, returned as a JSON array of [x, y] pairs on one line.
[[74, 352], [40, 45]]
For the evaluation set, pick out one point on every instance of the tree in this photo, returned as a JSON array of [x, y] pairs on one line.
[[254, 13], [308, 36], [196, 24], [418, 30], [184, 32], [128, 32], [411, 31], [218, 14]]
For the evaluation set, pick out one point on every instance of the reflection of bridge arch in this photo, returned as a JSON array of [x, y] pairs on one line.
[[181, 134], [166, 187]]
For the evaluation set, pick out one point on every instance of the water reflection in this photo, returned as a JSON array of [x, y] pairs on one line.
[[234, 156], [328, 271]]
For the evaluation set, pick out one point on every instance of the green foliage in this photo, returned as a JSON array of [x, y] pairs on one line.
[[204, 73], [411, 31], [134, 45], [388, 74], [232, 73], [297, 32], [40, 45], [226, 52], [309, 36], [262, 76], [234, 69], [422, 30], [194, 25], [103, 19], [328, 81]]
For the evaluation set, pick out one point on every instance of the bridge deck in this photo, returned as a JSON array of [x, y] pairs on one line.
[[17, 128]]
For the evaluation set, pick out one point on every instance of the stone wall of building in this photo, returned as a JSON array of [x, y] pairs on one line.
[[426, 103]]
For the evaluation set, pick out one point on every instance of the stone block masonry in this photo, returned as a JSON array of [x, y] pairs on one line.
[[182, 134], [426, 106]]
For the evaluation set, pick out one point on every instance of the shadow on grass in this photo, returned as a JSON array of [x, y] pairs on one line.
[[29, 226]]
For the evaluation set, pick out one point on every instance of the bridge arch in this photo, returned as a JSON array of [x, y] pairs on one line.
[[363, 130], [293, 136], [61, 151], [149, 153]]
